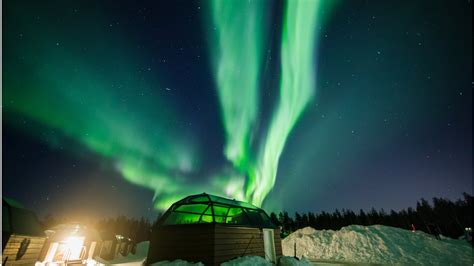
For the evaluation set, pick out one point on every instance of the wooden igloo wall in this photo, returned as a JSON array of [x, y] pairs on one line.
[[210, 244]]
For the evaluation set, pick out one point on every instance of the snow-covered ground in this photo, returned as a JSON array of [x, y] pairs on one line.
[[241, 261], [247, 261], [176, 263], [377, 244], [259, 261]]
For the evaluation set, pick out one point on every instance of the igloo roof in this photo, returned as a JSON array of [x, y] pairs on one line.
[[205, 208]]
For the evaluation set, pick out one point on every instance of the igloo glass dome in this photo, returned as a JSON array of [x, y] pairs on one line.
[[205, 208]]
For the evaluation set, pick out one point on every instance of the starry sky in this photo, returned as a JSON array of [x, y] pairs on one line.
[[122, 107]]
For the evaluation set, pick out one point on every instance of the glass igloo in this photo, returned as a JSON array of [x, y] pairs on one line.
[[205, 208]]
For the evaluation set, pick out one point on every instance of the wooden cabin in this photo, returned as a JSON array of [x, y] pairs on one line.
[[22, 234], [70, 244], [113, 245], [108, 246], [212, 230]]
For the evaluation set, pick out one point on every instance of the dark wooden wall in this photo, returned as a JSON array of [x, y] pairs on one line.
[[191, 242], [233, 242], [210, 244], [29, 257], [278, 247]]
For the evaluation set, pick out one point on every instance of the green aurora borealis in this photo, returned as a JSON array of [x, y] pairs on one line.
[[240, 48], [130, 129], [239, 61], [109, 122], [296, 89], [122, 107], [238, 51]]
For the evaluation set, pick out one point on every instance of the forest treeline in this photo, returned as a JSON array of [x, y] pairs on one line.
[[441, 216]]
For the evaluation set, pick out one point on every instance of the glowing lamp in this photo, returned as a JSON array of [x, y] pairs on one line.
[[73, 247]]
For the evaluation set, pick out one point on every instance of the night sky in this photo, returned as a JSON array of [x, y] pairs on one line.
[[122, 107]]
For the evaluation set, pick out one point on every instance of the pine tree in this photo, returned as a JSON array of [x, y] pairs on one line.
[[274, 219]]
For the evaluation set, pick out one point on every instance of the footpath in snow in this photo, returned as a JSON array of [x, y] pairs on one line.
[[377, 244]]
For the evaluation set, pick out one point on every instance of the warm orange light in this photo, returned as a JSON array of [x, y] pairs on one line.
[[73, 247]]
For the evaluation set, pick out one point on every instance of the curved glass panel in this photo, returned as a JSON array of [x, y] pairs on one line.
[[200, 199], [183, 218], [194, 208], [205, 208]]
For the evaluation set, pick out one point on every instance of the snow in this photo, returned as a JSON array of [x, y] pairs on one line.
[[352, 244], [259, 261], [247, 261], [291, 261], [176, 263], [242, 261], [377, 244]]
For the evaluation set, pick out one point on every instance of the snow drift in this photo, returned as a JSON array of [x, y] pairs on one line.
[[377, 244], [247, 261], [259, 261], [177, 263]]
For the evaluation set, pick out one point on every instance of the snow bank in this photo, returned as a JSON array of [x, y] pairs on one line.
[[247, 261], [290, 261], [377, 244], [259, 261], [176, 263]]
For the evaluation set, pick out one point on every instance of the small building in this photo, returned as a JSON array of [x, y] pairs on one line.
[[70, 243], [113, 245], [212, 230], [22, 234]]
